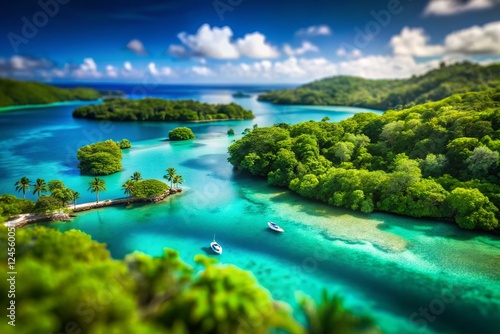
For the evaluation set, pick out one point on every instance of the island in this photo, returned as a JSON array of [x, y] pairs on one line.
[[391, 94], [436, 160], [181, 133], [102, 158], [239, 95], [18, 93], [161, 110]]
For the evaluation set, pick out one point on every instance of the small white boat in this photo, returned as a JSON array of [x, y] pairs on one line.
[[216, 247], [275, 227]]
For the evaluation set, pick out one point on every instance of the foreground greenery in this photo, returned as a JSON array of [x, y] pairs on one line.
[[386, 94], [68, 289], [101, 158], [13, 93], [153, 109], [436, 160]]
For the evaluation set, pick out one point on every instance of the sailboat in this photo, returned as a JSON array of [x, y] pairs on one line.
[[216, 247], [275, 227]]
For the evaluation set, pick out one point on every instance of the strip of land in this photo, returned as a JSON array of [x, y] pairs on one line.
[[31, 218]]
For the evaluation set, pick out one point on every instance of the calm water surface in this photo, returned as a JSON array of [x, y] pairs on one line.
[[413, 276]]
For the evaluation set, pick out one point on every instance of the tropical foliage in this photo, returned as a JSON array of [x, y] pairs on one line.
[[13, 93], [68, 288], [385, 94], [160, 110], [23, 185], [439, 160], [181, 133], [101, 158], [148, 188], [124, 144], [97, 185], [11, 205]]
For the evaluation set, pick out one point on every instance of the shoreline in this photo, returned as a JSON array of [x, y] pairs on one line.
[[25, 219], [44, 105]]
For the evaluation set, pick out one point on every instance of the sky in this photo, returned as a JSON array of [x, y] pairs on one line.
[[241, 41]]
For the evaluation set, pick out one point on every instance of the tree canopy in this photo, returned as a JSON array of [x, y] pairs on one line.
[[438, 160], [13, 93], [82, 289], [385, 94], [160, 110], [181, 133], [148, 188], [101, 158]]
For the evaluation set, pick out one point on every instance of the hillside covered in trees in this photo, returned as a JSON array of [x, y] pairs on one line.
[[14, 93], [436, 160], [161, 110], [81, 289], [391, 94]]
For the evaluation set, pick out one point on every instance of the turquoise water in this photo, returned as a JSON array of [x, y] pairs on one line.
[[388, 266]]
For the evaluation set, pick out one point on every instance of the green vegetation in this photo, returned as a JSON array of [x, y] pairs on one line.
[[68, 288], [160, 110], [40, 187], [181, 133], [11, 205], [14, 93], [23, 185], [437, 160], [59, 191], [47, 204], [124, 144], [230, 132], [386, 94], [148, 188], [100, 158], [97, 185]]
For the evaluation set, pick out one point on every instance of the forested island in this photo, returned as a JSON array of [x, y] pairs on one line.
[[436, 160], [391, 94], [161, 110], [17, 93]]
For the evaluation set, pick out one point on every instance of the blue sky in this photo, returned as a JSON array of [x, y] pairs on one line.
[[241, 41]]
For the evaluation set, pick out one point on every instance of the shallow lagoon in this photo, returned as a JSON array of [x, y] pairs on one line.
[[386, 265]]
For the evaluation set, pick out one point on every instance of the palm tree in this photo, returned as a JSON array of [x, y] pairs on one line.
[[330, 316], [22, 185], [97, 185], [170, 175], [127, 187], [178, 179], [74, 196], [136, 176], [40, 186]]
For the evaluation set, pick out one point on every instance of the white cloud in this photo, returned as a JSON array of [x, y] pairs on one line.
[[137, 47], [88, 69], [413, 42], [305, 70], [216, 43], [453, 7], [320, 30], [212, 43], [254, 46], [127, 66], [355, 53], [164, 71], [177, 51], [111, 71], [304, 48], [202, 71], [475, 40]]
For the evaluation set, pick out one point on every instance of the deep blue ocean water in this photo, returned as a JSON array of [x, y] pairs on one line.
[[388, 266]]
